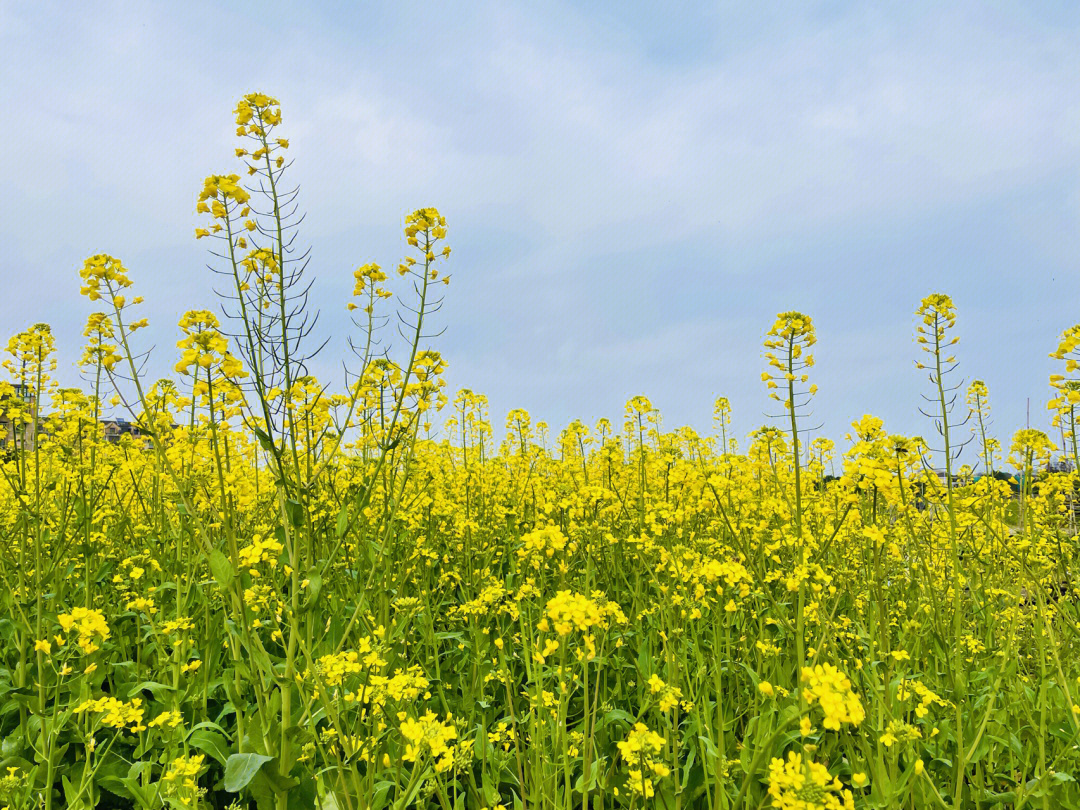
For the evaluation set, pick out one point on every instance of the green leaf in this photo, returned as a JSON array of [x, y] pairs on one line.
[[210, 742], [300, 795], [480, 743], [315, 583], [110, 773], [711, 752], [11, 746], [264, 439], [71, 792], [295, 512], [583, 786], [264, 792], [158, 690], [490, 787], [688, 767], [618, 716], [381, 795], [211, 725], [221, 568], [240, 769], [342, 522]]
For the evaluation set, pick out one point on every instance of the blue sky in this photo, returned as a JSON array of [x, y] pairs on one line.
[[633, 192]]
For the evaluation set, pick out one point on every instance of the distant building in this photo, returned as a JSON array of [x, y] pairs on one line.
[[941, 475], [116, 429], [18, 435]]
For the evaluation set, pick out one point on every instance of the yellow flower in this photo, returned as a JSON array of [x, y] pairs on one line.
[[88, 624], [831, 689], [170, 718], [639, 750], [428, 735], [568, 611], [799, 784], [115, 713], [184, 770]]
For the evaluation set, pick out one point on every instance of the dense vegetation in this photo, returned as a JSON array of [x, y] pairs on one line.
[[271, 592]]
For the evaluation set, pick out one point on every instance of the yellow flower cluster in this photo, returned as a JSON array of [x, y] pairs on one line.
[[88, 624], [487, 600], [170, 719], [116, 713], [791, 335], [368, 277], [668, 696], [1067, 345], [222, 196], [425, 220], [401, 686], [640, 750], [791, 326], [925, 697], [798, 784], [11, 784], [262, 263], [1066, 386], [897, 731], [177, 625], [831, 689], [335, 668], [102, 272], [428, 735], [256, 110], [543, 542], [185, 769], [260, 550], [977, 393], [937, 315], [223, 187], [204, 346], [181, 776], [568, 611], [431, 225], [1030, 448], [31, 350], [728, 572], [99, 349]]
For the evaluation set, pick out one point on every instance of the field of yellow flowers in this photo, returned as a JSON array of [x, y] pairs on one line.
[[270, 592]]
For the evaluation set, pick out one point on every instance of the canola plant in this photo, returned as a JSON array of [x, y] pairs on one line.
[[267, 591]]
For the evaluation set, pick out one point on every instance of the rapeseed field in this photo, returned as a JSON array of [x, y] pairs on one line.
[[265, 590]]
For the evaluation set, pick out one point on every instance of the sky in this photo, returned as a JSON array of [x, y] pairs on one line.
[[632, 191]]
